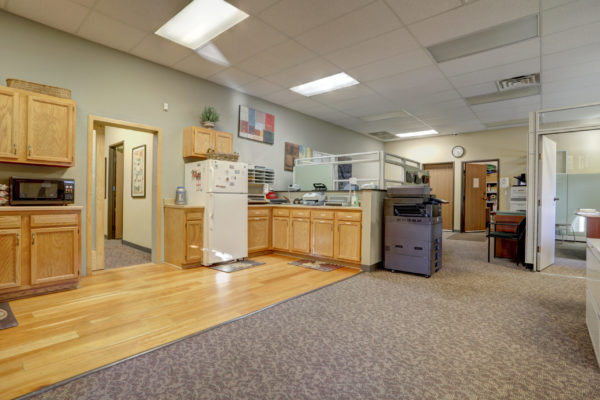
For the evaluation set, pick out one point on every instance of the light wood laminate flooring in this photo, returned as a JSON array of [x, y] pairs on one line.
[[118, 313]]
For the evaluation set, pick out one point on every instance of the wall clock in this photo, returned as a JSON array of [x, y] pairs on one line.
[[458, 151]]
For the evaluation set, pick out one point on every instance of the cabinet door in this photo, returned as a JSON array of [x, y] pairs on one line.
[[50, 130], [348, 240], [203, 140], [194, 243], [223, 142], [281, 233], [9, 123], [258, 234], [322, 238], [300, 235], [54, 254], [10, 261]]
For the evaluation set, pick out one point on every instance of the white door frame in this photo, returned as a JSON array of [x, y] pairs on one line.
[[533, 187]]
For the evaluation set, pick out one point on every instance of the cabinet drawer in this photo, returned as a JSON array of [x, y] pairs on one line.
[[300, 213], [322, 214], [348, 215], [260, 212], [194, 215], [281, 212], [54, 219], [10, 221]]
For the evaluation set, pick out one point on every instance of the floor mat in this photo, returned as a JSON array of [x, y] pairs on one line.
[[318, 265], [237, 266], [472, 237], [7, 318]]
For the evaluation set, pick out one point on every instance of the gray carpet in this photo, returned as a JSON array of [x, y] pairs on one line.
[[472, 331], [470, 236], [116, 255]]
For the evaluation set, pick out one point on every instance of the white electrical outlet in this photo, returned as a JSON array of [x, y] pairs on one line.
[[165, 106]]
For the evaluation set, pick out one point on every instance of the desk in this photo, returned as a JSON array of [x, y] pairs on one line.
[[507, 248]]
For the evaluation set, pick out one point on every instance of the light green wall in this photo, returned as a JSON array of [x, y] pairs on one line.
[[108, 83]]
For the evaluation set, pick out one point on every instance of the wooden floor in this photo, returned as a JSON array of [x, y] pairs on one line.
[[122, 312]]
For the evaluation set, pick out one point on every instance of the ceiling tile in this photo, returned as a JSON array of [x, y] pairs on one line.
[[571, 15], [565, 40], [283, 97], [344, 94], [260, 88], [503, 55], [276, 59], [499, 72], [294, 17], [86, 3], [378, 48], [366, 106], [570, 97], [391, 66], [232, 78], [579, 55], [357, 26], [477, 89], [145, 15], [329, 114], [415, 97], [305, 105], [252, 7], [411, 11], [60, 14], [470, 18], [392, 125], [308, 71], [585, 71], [161, 51], [110, 32], [246, 39], [546, 4], [414, 78], [198, 66]]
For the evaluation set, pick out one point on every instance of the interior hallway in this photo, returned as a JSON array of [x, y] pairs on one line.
[[117, 254], [474, 330]]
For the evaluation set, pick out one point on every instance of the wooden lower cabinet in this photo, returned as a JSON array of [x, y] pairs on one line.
[[348, 240], [259, 232], [184, 235], [322, 237], [281, 233], [300, 235], [40, 251]]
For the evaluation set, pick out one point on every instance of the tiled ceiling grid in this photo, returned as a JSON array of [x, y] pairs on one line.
[[381, 43]]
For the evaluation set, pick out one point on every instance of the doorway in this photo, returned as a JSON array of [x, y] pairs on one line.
[[441, 180], [480, 194], [115, 191], [97, 190]]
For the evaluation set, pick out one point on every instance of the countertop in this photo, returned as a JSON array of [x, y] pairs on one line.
[[167, 205], [595, 244], [340, 208], [39, 208]]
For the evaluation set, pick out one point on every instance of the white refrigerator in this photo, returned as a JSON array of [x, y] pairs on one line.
[[221, 187]]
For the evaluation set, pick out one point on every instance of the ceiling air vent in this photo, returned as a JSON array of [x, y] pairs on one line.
[[518, 82], [382, 135]]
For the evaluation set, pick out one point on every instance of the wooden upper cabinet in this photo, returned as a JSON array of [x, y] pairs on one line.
[[10, 261], [36, 129], [50, 129], [9, 123], [198, 141]]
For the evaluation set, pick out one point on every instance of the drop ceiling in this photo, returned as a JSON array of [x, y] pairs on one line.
[[381, 43]]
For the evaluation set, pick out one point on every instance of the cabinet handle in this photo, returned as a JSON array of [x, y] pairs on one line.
[[18, 239], [29, 147], [32, 239], [15, 148]]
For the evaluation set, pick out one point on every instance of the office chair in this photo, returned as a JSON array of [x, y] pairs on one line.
[[518, 235]]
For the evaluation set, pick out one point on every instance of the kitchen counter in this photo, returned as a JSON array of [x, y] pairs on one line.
[[39, 208], [304, 206], [182, 206]]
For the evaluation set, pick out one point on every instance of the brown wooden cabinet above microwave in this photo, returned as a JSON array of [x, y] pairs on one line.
[[36, 128], [197, 142]]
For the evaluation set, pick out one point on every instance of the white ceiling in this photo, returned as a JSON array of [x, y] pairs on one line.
[[381, 43]]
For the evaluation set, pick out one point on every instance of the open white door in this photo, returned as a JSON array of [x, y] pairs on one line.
[[547, 208]]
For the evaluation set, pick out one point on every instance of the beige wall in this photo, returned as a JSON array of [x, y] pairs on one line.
[[109, 83], [137, 212], [509, 145], [583, 151]]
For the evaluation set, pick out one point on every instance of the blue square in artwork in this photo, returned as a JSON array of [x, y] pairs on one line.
[[269, 137], [251, 119]]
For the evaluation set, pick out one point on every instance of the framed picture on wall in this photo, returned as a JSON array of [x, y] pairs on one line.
[[256, 125], [138, 171]]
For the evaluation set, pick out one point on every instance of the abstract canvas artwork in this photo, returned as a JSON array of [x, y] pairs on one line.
[[138, 171], [256, 125], [293, 151]]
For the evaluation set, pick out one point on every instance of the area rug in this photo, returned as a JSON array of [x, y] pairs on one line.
[[237, 266], [471, 237], [7, 318], [318, 265]]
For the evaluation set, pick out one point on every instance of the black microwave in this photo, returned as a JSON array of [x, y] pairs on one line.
[[34, 191]]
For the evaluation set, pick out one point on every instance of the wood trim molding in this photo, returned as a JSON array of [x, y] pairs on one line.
[[94, 122]]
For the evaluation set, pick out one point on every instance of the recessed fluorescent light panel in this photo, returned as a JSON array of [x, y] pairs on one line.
[[200, 22], [505, 95], [324, 85], [380, 117], [487, 39], [415, 134]]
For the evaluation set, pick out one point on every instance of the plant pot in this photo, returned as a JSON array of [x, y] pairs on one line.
[[208, 124]]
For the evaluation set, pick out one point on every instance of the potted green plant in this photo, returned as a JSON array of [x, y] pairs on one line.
[[209, 117]]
